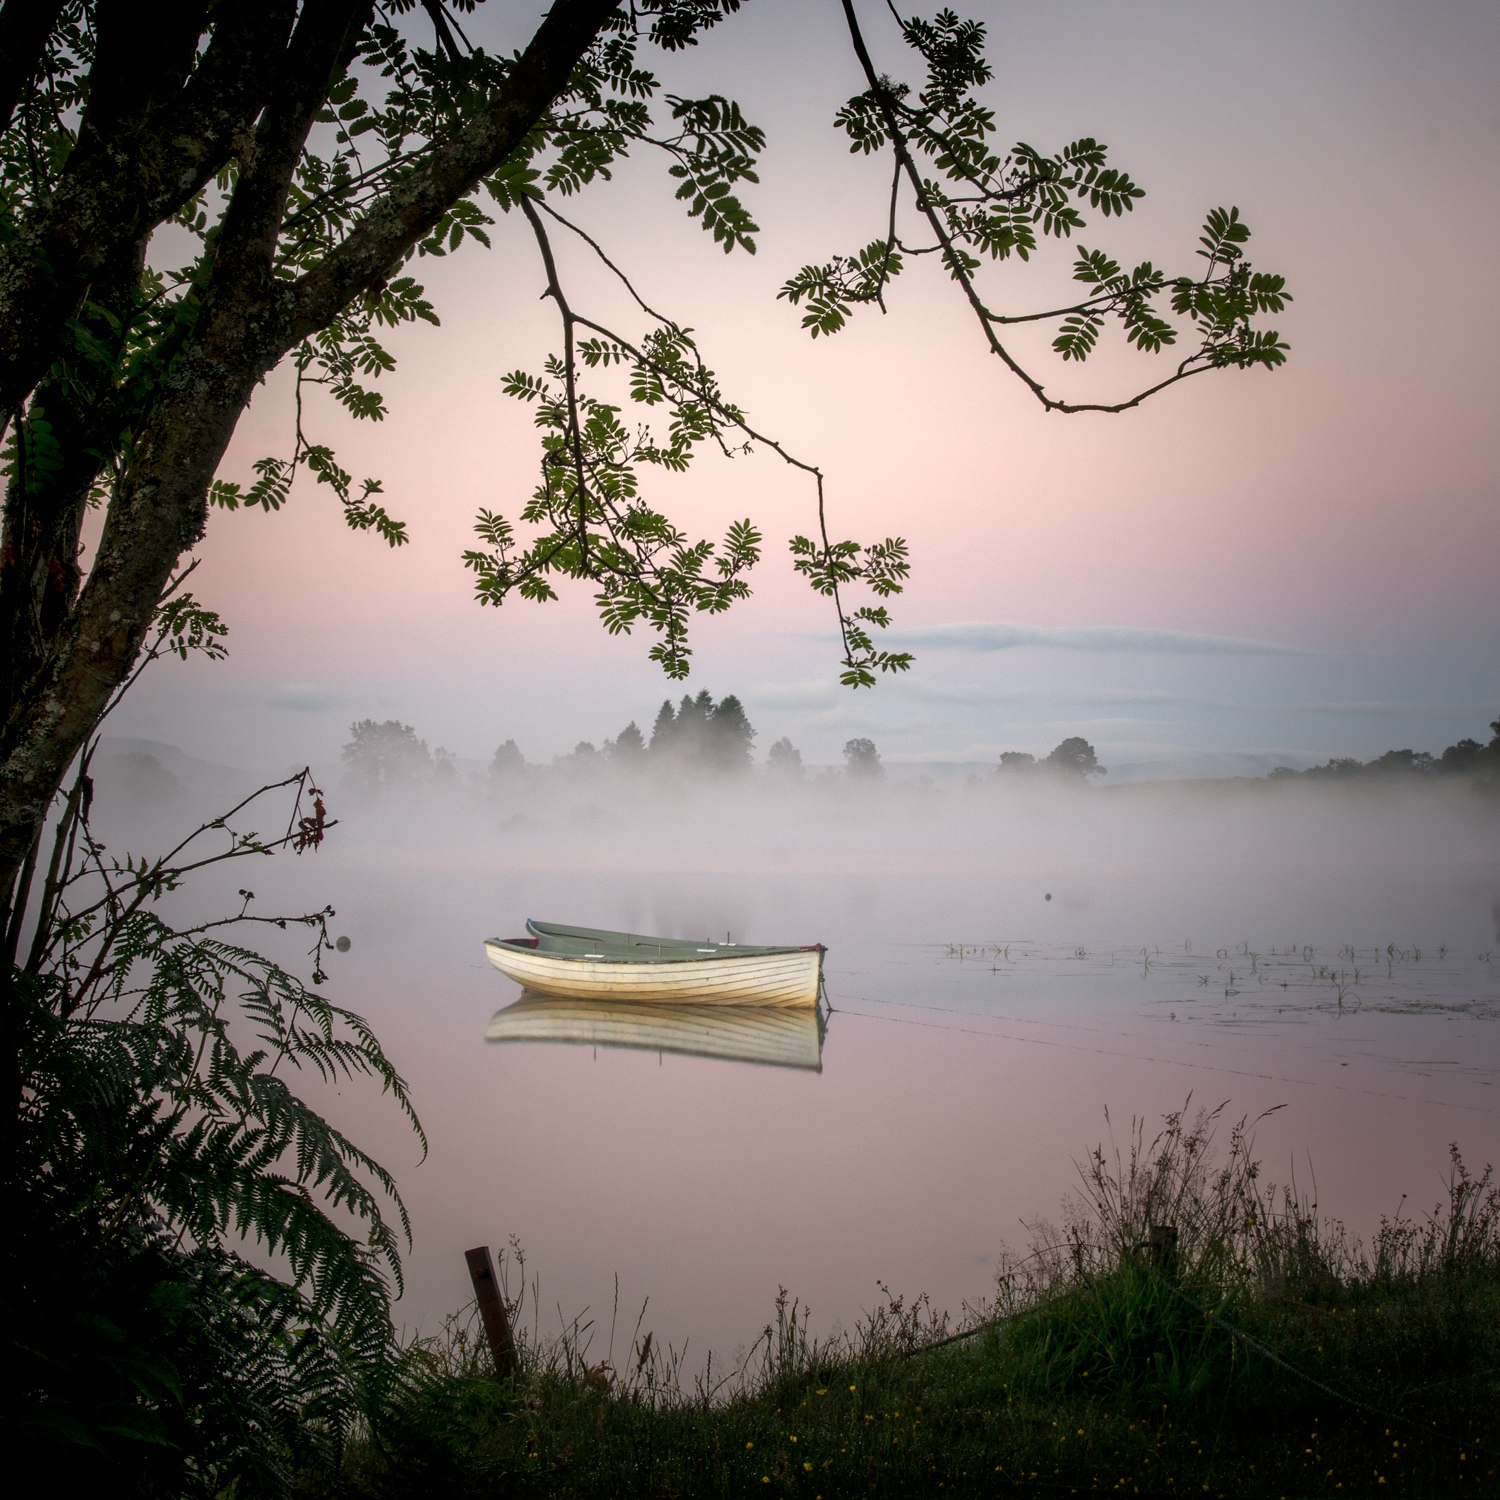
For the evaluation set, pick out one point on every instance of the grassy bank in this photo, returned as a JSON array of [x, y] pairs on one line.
[[1260, 1351]]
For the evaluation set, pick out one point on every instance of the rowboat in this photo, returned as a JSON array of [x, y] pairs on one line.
[[587, 964], [776, 1036]]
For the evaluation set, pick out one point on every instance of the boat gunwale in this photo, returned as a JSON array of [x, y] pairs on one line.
[[719, 954]]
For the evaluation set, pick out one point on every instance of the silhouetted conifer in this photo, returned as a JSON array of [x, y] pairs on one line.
[[628, 748], [507, 761], [729, 736], [703, 734], [661, 730]]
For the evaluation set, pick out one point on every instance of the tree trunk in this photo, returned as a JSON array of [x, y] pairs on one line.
[[249, 321], [76, 410]]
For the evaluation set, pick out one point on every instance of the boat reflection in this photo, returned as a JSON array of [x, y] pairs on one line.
[[772, 1036]]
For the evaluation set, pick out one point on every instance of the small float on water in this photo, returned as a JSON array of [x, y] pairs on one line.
[[776, 1036], [585, 963]]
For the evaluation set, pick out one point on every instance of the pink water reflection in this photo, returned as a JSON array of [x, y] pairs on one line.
[[955, 1094]]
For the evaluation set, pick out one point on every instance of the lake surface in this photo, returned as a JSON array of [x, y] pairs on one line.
[[1335, 955]]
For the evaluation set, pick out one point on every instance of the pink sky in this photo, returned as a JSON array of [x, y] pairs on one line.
[[1345, 506]]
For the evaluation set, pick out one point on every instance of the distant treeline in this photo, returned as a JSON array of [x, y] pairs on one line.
[[1074, 759], [1466, 758], [700, 736], [697, 736]]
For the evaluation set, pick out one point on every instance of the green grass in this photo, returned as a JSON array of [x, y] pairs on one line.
[[1103, 1366]]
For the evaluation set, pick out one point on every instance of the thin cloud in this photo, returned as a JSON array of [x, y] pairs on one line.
[[301, 697], [829, 695], [1403, 710], [1001, 635], [971, 694]]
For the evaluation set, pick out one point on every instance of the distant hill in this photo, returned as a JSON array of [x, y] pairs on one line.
[[154, 774]]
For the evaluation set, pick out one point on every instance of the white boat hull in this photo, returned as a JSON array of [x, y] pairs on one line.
[[781, 979]]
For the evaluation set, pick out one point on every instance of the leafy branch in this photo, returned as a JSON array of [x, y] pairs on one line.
[[978, 205], [593, 522], [393, 107], [381, 123], [339, 354]]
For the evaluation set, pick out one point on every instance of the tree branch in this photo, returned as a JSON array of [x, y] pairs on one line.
[[25, 26], [939, 229], [320, 49], [669, 387], [134, 164], [248, 323], [408, 210], [79, 408], [954, 259], [570, 374]]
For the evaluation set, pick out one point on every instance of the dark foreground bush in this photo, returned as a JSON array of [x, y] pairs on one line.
[[1259, 1351], [152, 1132]]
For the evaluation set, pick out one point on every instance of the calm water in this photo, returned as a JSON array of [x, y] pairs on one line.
[[1335, 956]]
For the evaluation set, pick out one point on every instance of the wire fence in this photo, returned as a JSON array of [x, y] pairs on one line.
[[1216, 1320]]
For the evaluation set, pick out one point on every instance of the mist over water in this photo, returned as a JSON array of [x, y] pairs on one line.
[[1331, 949]]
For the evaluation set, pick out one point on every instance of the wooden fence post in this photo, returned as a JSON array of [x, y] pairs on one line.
[[1161, 1246], [492, 1311]]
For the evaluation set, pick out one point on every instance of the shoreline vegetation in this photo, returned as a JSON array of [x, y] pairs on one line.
[[1188, 1329]]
